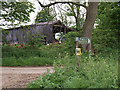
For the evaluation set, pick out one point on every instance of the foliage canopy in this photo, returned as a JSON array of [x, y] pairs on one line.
[[15, 12]]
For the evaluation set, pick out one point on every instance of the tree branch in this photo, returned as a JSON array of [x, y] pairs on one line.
[[62, 9], [48, 5], [72, 10]]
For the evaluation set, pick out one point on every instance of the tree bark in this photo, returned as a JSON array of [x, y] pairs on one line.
[[78, 19], [89, 23]]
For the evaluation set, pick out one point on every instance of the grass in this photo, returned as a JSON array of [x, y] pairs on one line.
[[30, 56], [94, 72], [31, 61]]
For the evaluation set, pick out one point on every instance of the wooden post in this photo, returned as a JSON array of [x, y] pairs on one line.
[[77, 45], [86, 43]]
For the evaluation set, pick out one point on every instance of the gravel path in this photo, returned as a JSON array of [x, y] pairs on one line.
[[19, 77]]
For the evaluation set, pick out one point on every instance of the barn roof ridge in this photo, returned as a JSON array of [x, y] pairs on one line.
[[39, 24], [49, 22]]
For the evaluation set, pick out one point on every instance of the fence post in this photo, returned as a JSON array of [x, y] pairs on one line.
[[77, 46]]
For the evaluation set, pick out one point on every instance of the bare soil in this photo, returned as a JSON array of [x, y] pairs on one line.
[[19, 77]]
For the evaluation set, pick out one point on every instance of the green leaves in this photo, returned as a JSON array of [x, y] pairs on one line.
[[70, 14], [96, 72], [35, 39], [104, 38], [107, 32], [108, 14], [44, 16], [76, 82], [12, 11]]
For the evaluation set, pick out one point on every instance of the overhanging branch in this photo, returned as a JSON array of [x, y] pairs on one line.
[[48, 5]]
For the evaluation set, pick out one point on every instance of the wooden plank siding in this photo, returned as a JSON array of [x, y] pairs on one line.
[[20, 34]]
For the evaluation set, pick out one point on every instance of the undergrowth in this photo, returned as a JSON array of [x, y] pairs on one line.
[[93, 72]]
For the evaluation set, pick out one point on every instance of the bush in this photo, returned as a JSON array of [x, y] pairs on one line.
[[102, 39], [69, 44], [36, 39]]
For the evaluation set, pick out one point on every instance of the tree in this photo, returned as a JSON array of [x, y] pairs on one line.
[[90, 17], [107, 31], [108, 15], [15, 12], [44, 15], [89, 22], [74, 11]]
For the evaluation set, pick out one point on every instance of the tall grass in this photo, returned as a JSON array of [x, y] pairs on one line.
[[94, 72], [31, 56]]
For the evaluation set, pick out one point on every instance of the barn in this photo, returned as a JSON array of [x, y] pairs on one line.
[[48, 29]]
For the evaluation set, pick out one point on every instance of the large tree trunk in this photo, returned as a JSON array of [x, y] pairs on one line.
[[89, 23], [77, 23]]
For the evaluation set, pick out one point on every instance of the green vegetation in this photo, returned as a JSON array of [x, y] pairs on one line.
[[37, 55], [100, 71], [44, 15], [28, 56], [94, 72], [18, 11]]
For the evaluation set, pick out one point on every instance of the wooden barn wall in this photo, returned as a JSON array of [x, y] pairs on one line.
[[20, 35]]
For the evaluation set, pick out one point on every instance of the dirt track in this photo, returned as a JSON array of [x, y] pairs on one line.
[[19, 77]]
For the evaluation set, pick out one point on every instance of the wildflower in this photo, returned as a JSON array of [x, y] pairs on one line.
[[22, 45], [17, 46]]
